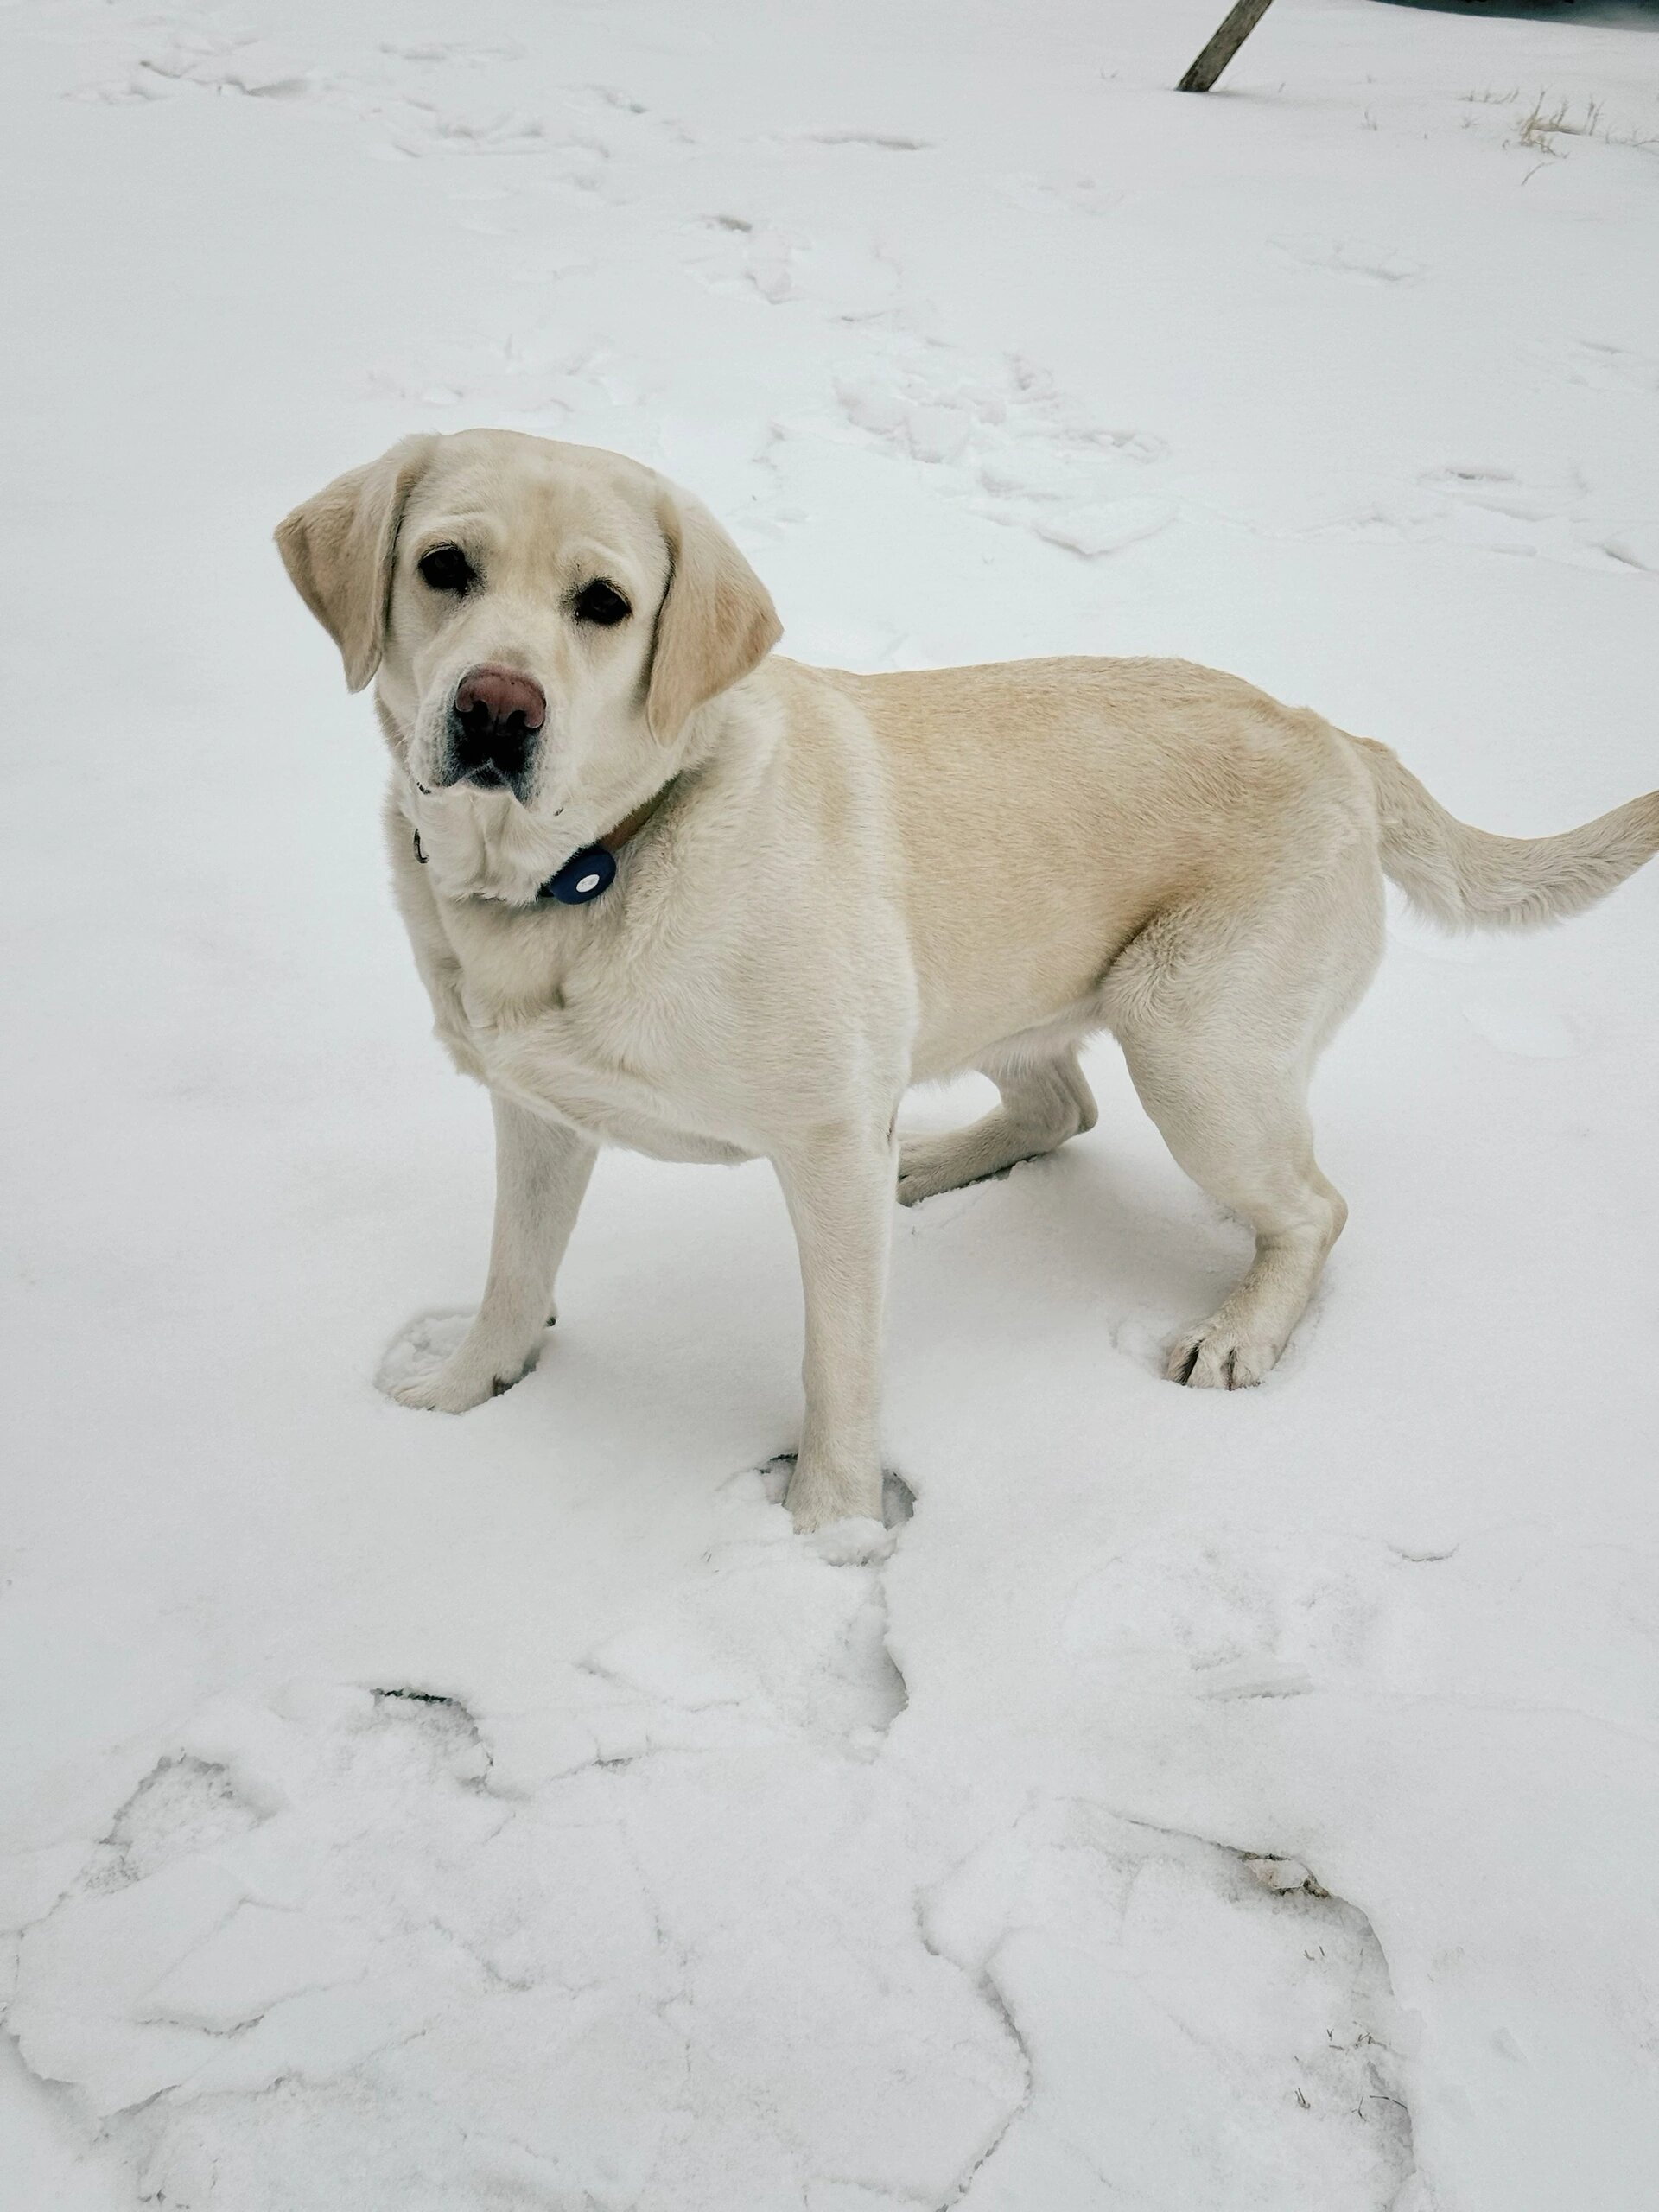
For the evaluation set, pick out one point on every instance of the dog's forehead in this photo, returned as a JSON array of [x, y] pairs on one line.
[[538, 491]]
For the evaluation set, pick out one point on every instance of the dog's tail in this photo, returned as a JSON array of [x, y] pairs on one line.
[[1467, 878]]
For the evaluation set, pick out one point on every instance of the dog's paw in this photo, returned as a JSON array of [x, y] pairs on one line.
[[928, 1166], [855, 1542], [925, 1169], [441, 1365], [460, 1383], [1214, 1357], [819, 1496]]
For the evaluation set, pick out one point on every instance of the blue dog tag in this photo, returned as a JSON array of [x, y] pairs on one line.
[[584, 876]]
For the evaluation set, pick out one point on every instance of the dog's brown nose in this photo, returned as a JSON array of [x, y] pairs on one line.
[[492, 728], [501, 693]]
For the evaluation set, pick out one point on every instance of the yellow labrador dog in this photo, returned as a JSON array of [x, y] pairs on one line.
[[668, 890]]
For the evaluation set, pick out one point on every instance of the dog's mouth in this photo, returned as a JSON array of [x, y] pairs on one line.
[[448, 771], [478, 779], [481, 841]]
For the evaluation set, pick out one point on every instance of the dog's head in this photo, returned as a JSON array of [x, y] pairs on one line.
[[544, 622]]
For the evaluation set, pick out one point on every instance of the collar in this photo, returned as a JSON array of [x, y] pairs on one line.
[[589, 873], [631, 825]]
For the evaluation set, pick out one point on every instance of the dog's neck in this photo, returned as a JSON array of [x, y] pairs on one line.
[[602, 853], [589, 872], [631, 825]]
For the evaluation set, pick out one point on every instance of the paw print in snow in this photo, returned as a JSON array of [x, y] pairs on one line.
[[1019, 450], [252, 67], [844, 278]]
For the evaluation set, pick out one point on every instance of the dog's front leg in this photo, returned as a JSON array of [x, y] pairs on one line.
[[540, 1173], [838, 1183]]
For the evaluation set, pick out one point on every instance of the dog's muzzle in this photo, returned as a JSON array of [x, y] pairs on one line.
[[495, 720]]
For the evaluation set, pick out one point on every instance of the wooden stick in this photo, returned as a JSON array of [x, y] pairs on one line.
[[1241, 20]]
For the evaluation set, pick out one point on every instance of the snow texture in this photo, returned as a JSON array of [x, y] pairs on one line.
[[1196, 1804]]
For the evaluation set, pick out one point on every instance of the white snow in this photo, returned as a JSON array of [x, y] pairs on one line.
[[1199, 1805]]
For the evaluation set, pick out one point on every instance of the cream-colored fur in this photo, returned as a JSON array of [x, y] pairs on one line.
[[855, 883]]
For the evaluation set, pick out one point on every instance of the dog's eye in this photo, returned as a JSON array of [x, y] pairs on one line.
[[602, 603], [446, 568]]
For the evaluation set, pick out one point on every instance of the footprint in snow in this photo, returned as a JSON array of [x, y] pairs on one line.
[[1349, 257], [434, 51], [1049, 196], [671, 1936], [1636, 546], [1232, 1614], [420, 1348], [842, 277], [513, 379], [1488, 508], [1147, 1972], [878, 141], [423, 130], [1021, 452], [1604, 367], [633, 115], [254, 68]]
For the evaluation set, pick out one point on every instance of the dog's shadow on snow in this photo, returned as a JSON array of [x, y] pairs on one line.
[[1064, 1240]]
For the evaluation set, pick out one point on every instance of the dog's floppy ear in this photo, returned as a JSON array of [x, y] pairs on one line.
[[716, 622], [338, 548]]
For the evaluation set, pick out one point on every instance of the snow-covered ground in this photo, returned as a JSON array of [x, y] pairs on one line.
[[1211, 1803]]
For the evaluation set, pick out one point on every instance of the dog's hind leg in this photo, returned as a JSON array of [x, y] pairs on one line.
[[1247, 1141], [1044, 1102], [1221, 1019]]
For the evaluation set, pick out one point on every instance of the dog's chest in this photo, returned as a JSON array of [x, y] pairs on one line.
[[569, 1014]]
